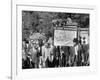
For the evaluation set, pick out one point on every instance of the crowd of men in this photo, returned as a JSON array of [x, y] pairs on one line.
[[43, 54]]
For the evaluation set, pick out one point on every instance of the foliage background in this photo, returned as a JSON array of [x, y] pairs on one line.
[[38, 21]]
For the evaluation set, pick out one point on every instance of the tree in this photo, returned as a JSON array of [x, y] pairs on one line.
[[38, 21]]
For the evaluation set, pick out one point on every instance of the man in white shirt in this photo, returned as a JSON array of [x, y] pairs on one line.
[[48, 55], [46, 50]]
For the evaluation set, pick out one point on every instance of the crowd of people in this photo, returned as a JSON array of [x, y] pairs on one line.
[[44, 54]]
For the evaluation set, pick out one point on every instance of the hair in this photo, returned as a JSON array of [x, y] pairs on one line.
[[75, 40], [84, 41], [84, 38]]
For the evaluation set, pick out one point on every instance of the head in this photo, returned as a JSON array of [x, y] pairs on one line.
[[34, 45], [75, 41], [84, 38], [47, 45], [84, 42]]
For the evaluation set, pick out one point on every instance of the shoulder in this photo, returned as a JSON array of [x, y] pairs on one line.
[[43, 47]]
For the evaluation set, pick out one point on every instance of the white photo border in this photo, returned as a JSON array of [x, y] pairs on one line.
[[17, 71]]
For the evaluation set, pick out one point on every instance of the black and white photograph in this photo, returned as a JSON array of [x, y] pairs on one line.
[[55, 39]]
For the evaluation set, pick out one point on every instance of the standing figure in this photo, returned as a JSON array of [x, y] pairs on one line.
[[34, 55], [46, 54]]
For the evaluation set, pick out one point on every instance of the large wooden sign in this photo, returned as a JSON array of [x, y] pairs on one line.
[[65, 36]]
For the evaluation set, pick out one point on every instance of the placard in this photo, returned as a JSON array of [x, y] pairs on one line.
[[64, 37]]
